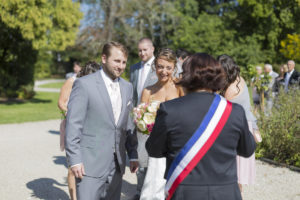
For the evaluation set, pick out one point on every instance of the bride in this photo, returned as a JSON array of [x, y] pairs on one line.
[[163, 90]]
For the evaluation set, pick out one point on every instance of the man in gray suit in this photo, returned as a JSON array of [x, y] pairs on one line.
[[98, 128], [142, 75]]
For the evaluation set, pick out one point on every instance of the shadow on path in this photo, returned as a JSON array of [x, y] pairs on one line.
[[60, 160], [45, 188], [127, 189], [54, 132]]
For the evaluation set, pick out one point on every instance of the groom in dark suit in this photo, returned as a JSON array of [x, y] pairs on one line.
[[98, 128]]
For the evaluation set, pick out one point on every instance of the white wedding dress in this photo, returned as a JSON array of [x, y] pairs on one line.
[[154, 183]]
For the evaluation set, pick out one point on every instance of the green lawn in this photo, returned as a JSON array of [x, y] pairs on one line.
[[42, 107], [52, 85]]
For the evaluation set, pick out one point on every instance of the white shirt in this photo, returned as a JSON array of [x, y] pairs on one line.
[[287, 80], [108, 81], [114, 92], [143, 73]]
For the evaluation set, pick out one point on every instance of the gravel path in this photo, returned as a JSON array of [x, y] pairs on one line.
[[33, 167], [43, 82]]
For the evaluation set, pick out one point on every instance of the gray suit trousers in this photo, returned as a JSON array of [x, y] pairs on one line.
[[107, 187]]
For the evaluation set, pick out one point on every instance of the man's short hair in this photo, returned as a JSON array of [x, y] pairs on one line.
[[269, 66], [76, 63], [108, 46], [145, 39]]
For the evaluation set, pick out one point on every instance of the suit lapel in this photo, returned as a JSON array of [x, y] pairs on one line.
[[104, 95], [124, 99], [149, 76], [136, 74]]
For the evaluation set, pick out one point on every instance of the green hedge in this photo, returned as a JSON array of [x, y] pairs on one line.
[[281, 129]]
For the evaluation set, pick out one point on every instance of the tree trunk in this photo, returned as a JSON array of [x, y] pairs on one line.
[[262, 101]]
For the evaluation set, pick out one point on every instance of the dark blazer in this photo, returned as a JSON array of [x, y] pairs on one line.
[[176, 122], [294, 79]]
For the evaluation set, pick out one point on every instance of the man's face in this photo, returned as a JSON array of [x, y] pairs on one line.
[[291, 66], [267, 70], [258, 70], [146, 51], [115, 64], [76, 68]]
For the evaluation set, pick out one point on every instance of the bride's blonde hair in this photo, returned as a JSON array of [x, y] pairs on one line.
[[168, 55]]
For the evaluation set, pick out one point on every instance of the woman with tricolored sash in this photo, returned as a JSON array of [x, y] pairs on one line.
[[201, 134]]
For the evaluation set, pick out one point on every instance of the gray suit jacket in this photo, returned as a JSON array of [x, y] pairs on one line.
[[273, 75], [134, 79], [92, 136]]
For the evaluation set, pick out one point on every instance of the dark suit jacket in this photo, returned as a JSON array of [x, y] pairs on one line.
[[294, 79], [176, 122]]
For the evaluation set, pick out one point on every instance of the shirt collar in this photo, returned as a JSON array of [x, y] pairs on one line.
[[290, 73], [270, 73], [149, 62], [107, 80]]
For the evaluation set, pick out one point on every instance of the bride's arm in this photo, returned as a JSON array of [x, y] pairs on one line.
[[145, 96]]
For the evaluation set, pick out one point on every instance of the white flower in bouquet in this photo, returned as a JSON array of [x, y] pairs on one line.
[[153, 106], [141, 125], [149, 118], [136, 115], [144, 116]]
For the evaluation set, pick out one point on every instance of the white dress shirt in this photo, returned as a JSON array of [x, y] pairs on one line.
[[287, 80], [114, 92], [143, 73]]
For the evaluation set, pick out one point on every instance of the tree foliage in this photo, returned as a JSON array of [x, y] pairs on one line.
[[49, 25], [290, 47], [28, 27], [248, 30]]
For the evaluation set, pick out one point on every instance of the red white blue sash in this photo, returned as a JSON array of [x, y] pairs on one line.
[[199, 143]]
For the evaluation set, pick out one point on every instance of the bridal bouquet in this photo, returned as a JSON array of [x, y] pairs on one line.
[[144, 116]]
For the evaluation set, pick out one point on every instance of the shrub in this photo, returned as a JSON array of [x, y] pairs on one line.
[[281, 129], [26, 92]]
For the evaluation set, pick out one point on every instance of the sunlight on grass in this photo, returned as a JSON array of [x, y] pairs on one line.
[[42, 107], [52, 85]]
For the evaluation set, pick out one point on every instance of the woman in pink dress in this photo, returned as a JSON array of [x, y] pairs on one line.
[[236, 91]]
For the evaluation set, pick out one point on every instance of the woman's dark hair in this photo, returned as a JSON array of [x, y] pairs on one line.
[[231, 69], [202, 71], [182, 53], [89, 68]]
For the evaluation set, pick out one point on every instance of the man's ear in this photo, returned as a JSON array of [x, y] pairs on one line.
[[103, 58]]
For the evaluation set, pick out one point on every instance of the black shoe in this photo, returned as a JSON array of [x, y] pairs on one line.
[[136, 197]]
